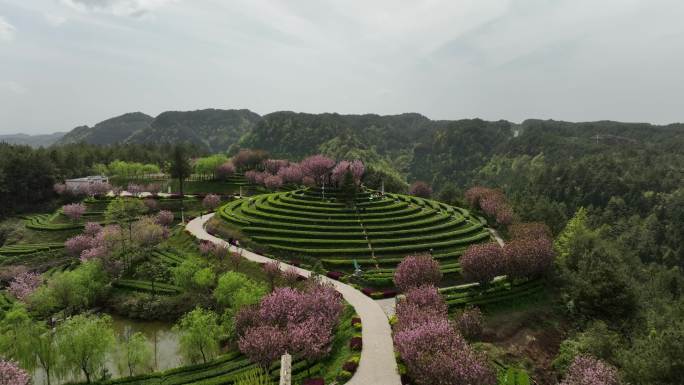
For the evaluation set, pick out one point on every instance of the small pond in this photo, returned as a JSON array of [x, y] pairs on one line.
[[162, 340]]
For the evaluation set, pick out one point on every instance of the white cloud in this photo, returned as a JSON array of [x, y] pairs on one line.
[[6, 30], [54, 20], [14, 87], [134, 8]]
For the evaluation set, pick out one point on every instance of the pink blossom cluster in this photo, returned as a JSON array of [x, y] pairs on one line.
[[301, 322], [211, 202], [528, 258], [74, 211], [92, 229], [433, 351], [266, 179], [225, 170], [164, 218], [206, 247], [492, 202], [94, 189], [530, 230], [12, 374], [355, 168], [273, 182], [482, 262], [420, 189], [317, 167], [519, 258], [93, 243], [24, 285], [247, 159], [273, 166], [586, 370], [420, 305], [98, 189], [291, 174], [218, 250], [417, 270]]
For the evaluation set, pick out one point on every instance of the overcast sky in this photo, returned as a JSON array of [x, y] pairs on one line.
[[65, 63]]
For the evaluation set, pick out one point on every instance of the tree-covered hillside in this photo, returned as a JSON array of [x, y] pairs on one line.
[[215, 130], [110, 131], [32, 140]]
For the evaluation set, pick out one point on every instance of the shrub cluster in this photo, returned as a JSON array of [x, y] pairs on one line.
[[492, 202], [586, 370], [433, 351], [417, 270], [523, 258]]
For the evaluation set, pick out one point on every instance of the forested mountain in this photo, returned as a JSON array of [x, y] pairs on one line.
[[213, 129], [32, 140], [110, 131]]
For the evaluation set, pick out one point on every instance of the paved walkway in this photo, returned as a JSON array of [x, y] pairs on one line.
[[496, 236], [388, 305], [377, 365]]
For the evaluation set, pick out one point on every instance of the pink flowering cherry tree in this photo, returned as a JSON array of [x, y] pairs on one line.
[[75, 245], [273, 182], [24, 285], [317, 167], [482, 262], [211, 202], [272, 166], [164, 218], [225, 170], [263, 344], [74, 211], [12, 374], [355, 168], [586, 370], [291, 174], [417, 270]]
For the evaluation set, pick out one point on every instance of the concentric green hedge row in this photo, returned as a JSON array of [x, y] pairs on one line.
[[376, 230]]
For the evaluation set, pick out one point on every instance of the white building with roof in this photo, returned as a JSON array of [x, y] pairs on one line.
[[84, 182]]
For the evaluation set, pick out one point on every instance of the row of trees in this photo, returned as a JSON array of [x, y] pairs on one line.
[[121, 168], [316, 170], [78, 347]]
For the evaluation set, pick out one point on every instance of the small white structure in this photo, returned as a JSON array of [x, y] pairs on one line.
[[286, 369], [83, 183]]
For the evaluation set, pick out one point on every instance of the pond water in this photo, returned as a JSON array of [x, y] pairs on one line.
[[162, 340]]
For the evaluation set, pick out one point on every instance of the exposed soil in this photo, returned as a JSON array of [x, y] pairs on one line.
[[528, 337]]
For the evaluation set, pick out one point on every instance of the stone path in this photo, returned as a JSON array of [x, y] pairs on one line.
[[377, 365]]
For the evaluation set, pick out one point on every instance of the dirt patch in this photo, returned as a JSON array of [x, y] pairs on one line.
[[529, 338]]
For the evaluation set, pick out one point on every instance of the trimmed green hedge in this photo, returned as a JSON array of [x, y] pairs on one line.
[[29, 248], [146, 286]]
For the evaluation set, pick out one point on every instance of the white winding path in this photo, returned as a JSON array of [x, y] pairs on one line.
[[377, 365], [496, 236]]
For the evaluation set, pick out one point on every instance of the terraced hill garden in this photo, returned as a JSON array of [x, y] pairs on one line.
[[374, 230]]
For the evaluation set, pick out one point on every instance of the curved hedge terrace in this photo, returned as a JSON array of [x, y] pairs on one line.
[[377, 229]]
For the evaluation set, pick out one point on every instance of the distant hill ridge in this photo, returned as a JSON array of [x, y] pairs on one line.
[[392, 138]]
